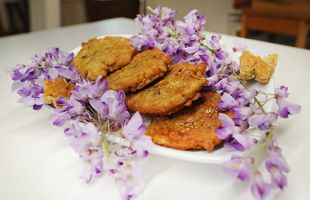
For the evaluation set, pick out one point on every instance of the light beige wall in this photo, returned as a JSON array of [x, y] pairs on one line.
[[52, 9], [37, 17], [216, 11], [44, 14]]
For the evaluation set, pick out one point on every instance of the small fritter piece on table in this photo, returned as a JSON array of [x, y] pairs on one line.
[[179, 88], [190, 129], [144, 68], [98, 57], [56, 88], [261, 69]]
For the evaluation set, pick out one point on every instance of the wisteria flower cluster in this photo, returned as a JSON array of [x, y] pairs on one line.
[[180, 39], [97, 118], [28, 79], [97, 112], [186, 41]]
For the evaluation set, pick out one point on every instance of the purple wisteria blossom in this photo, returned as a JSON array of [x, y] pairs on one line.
[[227, 101], [192, 27], [133, 131], [248, 115], [111, 106], [227, 128], [155, 26], [93, 101], [287, 108], [28, 79], [239, 45], [119, 160], [278, 177], [260, 189], [239, 167], [281, 92], [129, 180], [232, 134], [117, 111], [24, 73], [263, 121], [68, 109], [232, 86], [86, 89], [245, 96], [241, 113], [86, 141], [128, 174], [276, 166], [30, 94]]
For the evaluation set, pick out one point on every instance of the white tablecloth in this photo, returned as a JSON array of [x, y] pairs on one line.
[[37, 163]]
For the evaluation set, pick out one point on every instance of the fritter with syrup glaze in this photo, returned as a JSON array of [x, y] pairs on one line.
[[190, 129]]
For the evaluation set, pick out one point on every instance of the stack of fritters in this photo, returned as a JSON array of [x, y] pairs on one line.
[[184, 117], [180, 121]]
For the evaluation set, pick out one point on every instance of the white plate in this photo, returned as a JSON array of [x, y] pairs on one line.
[[218, 156]]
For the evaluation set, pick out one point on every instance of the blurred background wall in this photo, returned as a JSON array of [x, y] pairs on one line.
[[267, 19]]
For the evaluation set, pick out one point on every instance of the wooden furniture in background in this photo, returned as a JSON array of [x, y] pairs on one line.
[[17, 15], [287, 18], [2, 31], [105, 9], [241, 4], [72, 12]]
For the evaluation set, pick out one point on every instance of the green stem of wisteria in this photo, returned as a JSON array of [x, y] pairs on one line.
[[174, 35], [260, 106], [103, 134], [270, 94], [172, 27], [234, 73], [267, 100], [150, 9], [105, 142], [211, 50], [238, 77], [268, 139]]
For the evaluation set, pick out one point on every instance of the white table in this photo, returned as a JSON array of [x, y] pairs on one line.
[[37, 163]]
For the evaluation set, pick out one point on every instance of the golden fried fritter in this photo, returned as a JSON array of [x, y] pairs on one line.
[[98, 57], [179, 88], [261, 69], [56, 88], [144, 68], [190, 129]]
